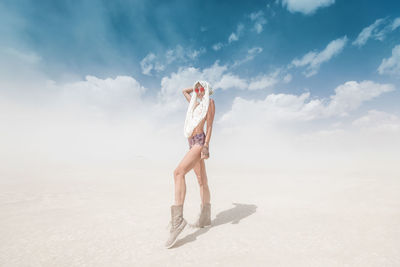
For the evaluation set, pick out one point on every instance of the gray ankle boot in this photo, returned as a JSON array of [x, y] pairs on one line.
[[177, 224], [204, 218]]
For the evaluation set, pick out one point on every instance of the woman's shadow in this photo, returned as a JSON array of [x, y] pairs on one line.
[[233, 215]]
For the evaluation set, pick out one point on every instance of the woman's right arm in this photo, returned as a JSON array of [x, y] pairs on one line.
[[186, 93]]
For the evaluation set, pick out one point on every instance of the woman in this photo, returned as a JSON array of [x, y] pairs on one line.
[[197, 114]]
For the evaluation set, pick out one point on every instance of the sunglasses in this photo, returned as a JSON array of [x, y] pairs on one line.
[[197, 89]]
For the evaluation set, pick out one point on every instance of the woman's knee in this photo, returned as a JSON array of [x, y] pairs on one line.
[[202, 180], [178, 172]]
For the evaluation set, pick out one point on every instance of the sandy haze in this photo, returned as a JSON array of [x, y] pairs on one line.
[[83, 187]]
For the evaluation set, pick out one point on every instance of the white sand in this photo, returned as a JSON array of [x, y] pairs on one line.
[[117, 217]]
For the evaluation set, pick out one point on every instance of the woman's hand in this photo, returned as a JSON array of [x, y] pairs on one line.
[[204, 153]]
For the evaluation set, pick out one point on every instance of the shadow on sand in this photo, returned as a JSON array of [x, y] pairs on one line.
[[233, 215]]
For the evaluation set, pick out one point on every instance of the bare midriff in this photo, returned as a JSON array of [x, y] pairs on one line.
[[200, 127]]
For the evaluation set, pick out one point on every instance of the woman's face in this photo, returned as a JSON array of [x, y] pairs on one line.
[[200, 90]]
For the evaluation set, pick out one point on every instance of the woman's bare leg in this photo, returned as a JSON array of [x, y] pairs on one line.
[[200, 171], [187, 163]]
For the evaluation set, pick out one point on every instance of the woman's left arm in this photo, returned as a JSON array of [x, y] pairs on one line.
[[210, 120]]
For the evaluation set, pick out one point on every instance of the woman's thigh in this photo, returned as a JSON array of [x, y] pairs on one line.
[[189, 160]]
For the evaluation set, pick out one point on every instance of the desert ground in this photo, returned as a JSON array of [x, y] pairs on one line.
[[103, 215]]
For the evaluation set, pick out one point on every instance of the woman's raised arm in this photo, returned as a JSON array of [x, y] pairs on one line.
[[186, 92]]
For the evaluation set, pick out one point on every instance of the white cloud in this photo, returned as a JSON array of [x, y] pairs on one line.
[[235, 35], [217, 46], [230, 81], [15, 63], [179, 54], [368, 32], [251, 53], [288, 129], [170, 95], [378, 121], [111, 94], [313, 60], [196, 53], [287, 78], [377, 30], [27, 56], [279, 108], [271, 10], [110, 122], [147, 63], [264, 81], [96, 122], [395, 23], [255, 50], [259, 20], [391, 65], [350, 95], [306, 7], [275, 108]]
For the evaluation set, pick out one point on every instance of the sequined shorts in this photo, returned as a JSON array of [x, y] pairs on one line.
[[199, 138]]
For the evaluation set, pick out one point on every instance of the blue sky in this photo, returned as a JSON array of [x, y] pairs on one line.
[[110, 38], [101, 75]]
